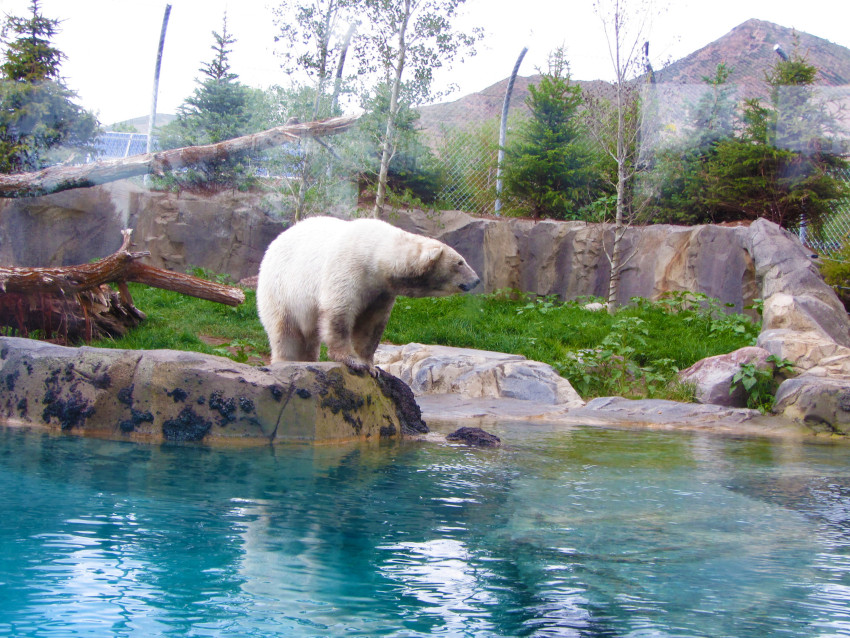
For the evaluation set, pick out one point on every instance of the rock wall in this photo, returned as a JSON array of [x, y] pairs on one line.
[[228, 232], [569, 258], [224, 232]]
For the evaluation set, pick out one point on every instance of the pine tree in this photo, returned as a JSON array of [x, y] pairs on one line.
[[781, 166], [216, 111], [39, 122], [548, 171]]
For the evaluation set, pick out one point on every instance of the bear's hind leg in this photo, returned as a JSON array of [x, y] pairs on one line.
[[288, 343], [369, 327]]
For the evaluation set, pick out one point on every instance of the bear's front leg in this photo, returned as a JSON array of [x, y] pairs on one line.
[[337, 328]]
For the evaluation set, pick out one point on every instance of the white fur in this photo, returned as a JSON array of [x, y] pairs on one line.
[[335, 281]]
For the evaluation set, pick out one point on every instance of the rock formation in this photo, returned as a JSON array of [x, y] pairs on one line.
[[164, 395], [803, 319]]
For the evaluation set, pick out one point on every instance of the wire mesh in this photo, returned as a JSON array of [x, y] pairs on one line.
[[836, 231]]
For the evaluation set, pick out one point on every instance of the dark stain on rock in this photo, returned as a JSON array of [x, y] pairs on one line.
[[178, 395], [201, 400], [246, 405], [137, 417], [277, 392], [407, 410], [187, 426], [11, 379], [4, 352], [22, 407], [388, 430], [338, 398], [225, 406], [844, 401], [820, 425], [304, 393], [125, 395], [100, 381], [475, 437], [70, 411]]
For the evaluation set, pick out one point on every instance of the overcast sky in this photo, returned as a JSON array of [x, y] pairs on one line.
[[111, 44]]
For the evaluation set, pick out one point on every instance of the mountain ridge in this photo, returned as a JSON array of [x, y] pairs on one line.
[[748, 49]]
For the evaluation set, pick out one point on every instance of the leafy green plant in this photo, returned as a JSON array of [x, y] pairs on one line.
[[760, 382]]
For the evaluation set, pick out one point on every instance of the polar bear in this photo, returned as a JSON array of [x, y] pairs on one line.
[[335, 281]]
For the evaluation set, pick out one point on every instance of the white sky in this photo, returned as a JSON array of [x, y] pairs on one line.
[[111, 44]]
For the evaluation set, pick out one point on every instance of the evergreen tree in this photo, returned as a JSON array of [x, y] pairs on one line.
[[548, 171], [412, 167], [39, 122], [779, 164], [680, 172], [216, 111], [780, 167]]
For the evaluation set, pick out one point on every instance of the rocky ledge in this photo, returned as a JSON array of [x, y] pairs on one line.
[[164, 395]]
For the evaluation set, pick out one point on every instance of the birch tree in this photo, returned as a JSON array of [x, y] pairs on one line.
[[407, 41], [617, 128], [316, 35]]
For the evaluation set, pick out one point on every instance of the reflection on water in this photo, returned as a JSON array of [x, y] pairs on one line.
[[586, 532]]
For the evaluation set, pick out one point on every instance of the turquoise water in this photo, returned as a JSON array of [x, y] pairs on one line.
[[585, 532]]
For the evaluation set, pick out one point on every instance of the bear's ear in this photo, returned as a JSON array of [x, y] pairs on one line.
[[429, 257]]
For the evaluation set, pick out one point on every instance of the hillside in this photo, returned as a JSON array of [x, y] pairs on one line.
[[748, 50]]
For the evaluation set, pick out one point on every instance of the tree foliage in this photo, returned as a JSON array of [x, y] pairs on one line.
[[39, 122], [548, 169], [407, 41], [217, 110], [776, 162]]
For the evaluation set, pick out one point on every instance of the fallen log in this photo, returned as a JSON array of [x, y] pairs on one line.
[[74, 303], [61, 178]]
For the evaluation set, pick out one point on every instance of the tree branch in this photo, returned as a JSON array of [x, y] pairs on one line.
[[55, 179]]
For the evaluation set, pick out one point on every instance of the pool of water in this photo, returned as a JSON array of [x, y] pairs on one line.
[[578, 532]]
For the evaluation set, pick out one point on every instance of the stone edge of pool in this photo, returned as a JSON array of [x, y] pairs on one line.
[[164, 395]]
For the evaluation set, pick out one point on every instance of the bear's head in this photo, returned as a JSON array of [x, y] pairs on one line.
[[437, 271]]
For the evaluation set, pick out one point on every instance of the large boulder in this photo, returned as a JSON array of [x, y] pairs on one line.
[[476, 374], [164, 395], [712, 376], [822, 403], [795, 296]]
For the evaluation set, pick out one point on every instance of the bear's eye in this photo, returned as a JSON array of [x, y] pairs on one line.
[[460, 263]]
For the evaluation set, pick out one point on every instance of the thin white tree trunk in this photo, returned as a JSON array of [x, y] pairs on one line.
[[387, 150], [619, 219]]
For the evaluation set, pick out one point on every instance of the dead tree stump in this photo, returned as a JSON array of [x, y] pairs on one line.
[[70, 304]]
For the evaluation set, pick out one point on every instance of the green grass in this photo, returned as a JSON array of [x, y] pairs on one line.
[[632, 353], [177, 322]]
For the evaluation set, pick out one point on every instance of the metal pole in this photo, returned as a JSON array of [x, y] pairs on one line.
[[152, 119], [503, 129]]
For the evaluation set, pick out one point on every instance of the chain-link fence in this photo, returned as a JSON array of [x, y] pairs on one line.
[[464, 136], [836, 231]]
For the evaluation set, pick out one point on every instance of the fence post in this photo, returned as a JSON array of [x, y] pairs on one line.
[[152, 120], [503, 129]]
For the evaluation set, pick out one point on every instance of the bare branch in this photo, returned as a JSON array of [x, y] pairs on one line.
[[61, 178]]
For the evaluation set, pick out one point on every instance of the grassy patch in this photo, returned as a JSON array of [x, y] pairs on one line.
[[633, 353], [178, 322]]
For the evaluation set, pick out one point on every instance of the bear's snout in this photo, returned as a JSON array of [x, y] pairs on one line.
[[467, 286]]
